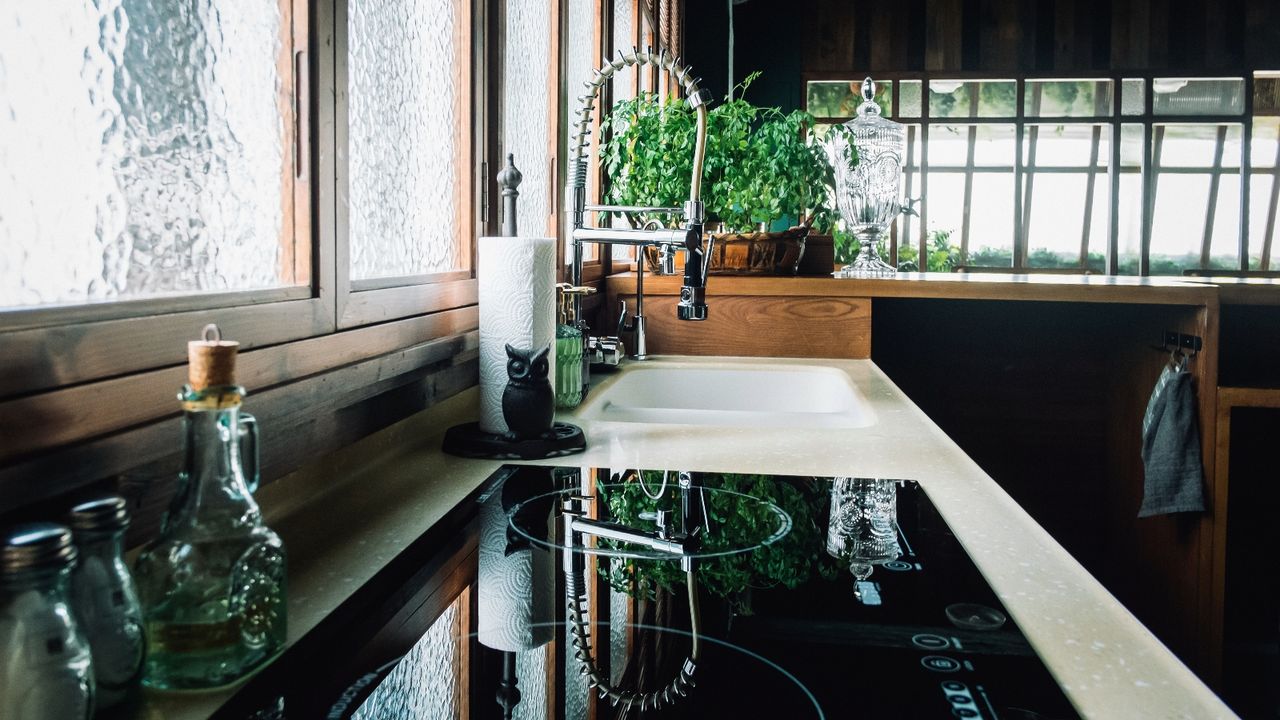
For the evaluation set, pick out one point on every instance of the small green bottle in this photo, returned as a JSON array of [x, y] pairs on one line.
[[569, 347]]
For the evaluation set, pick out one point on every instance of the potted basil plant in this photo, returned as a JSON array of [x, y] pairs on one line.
[[765, 182]]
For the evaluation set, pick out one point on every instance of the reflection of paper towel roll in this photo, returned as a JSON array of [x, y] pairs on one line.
[[517, 278], [516, 594]]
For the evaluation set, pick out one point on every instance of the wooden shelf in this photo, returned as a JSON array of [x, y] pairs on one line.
[[963, 286]]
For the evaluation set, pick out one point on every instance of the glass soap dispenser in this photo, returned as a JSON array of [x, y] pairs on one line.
[[570, 345], [104, 599], [46, 670], [213, 584]]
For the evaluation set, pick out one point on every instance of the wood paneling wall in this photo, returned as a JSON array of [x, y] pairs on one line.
[[1050, 36], [1048, 398]]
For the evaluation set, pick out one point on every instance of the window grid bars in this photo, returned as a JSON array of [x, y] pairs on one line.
[[1153, 138]]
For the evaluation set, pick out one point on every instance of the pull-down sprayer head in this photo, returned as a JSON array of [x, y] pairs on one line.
[[692, 305]]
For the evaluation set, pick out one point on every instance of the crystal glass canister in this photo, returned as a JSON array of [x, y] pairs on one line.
[[104, 599], [863, 528], [866, 156], [213, 584], [47, 669]]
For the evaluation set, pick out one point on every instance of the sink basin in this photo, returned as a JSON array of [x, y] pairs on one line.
[[792, 396]]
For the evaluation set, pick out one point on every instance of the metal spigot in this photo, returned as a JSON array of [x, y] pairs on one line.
[[692, 305]]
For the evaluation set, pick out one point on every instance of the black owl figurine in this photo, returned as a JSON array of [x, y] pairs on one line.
[[528, 402]]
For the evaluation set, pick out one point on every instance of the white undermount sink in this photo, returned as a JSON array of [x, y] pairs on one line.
[[791, 396]]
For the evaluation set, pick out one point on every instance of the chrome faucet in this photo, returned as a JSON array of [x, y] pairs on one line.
[[681, 543], [692, 305]]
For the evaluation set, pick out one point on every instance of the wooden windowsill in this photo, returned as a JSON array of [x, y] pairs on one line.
[[982, 286]]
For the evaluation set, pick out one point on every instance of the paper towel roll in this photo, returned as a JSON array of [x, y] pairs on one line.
[[517, 278], [516, 593]]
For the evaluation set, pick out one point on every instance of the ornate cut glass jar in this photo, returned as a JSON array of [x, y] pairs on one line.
[[213, 584], [866, 155], [104, 598], [47, 673], [864, 523]]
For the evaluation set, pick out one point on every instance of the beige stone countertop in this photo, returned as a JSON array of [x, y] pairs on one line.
[[344, 519]]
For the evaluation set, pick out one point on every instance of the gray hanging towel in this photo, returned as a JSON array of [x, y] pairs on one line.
[[1171, 447]]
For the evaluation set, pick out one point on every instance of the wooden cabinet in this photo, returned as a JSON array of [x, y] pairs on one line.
[[1043, 380]]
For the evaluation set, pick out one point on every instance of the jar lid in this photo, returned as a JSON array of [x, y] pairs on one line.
[[36, 546], [104, 514]]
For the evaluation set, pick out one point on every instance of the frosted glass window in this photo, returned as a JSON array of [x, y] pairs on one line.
[[142, 150], [425, 684], [1133, 96], [623, 88], [579, 61], [527, 60], [406, 127]]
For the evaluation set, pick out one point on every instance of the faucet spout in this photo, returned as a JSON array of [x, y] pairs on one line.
[[692, 305]]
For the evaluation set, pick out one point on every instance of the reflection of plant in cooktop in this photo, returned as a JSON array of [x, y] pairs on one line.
[[736, 521]]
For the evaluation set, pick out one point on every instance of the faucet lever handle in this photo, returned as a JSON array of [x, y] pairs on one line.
[[623, 325]]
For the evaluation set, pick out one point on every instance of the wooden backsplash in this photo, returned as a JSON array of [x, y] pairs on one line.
[[1040, 35]]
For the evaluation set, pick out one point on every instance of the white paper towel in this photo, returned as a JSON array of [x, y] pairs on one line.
[[516, 593], [517, 278]]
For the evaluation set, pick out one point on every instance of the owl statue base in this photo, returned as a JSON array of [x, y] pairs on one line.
[[468, 440]]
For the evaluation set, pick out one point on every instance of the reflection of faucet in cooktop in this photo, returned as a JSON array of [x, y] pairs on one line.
[[666, 539]]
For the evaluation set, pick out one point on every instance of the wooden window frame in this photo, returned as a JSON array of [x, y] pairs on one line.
[[360, 302], [88, 392], [59, 346]]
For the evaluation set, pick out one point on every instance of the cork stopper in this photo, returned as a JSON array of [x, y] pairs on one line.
[[211, 362]]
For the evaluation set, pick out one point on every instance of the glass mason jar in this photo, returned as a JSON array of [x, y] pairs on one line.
[[213, 584], [104, 599], [47, 671]]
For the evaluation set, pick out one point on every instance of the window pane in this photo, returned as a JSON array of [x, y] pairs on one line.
[[841, 99], [525, 107], [1263, 198], [623, 88], [580, 60], [1076, 145], [1266, 93], [1130, 201], [982, 221], [425, 683], [1197, 146], [909, 96], [975, 98], [1063, 209], [1181, 211], [1067, 98], [992, 145], [990, 215], [1198, 96], [142, 151], [404, 132], [1132, 100]]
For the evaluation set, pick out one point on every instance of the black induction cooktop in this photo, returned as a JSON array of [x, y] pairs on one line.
[[812, 598]]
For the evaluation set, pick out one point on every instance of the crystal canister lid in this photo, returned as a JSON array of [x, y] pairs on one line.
[[104, 514], [36, 546]]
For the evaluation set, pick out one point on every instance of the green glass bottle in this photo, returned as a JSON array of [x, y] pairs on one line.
[[569, 346], [212, 586]]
